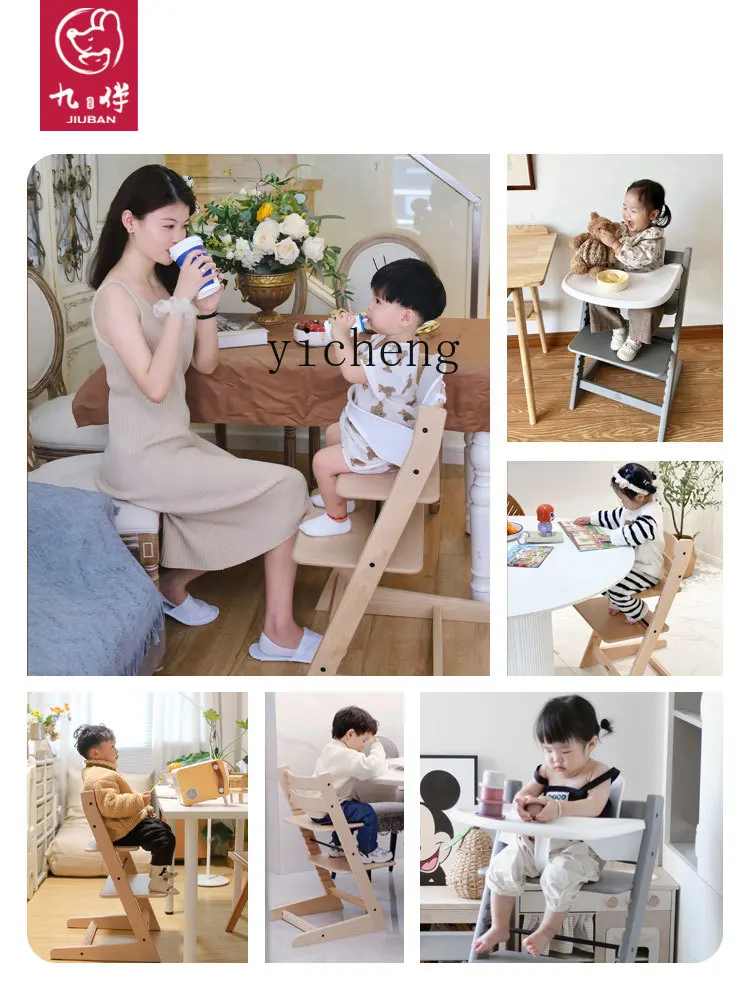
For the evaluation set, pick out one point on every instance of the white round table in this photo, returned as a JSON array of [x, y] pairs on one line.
[[566, 577]]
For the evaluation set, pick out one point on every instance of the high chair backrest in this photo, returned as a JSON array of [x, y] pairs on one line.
[[682, 257], [430, 386]]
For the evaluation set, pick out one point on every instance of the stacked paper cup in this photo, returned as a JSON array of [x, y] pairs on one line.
[[491, 794]]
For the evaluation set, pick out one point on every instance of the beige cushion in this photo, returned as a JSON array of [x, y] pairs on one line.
[[53, 426], [80, 472]]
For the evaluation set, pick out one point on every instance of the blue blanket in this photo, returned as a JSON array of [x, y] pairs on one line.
[[93, 610]]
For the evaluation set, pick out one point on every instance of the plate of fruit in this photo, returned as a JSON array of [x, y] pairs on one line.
[[312, 332], [514, 528]]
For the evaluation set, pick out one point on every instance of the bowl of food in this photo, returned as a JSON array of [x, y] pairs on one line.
[[514, 529], [312, 332], [612, 280]]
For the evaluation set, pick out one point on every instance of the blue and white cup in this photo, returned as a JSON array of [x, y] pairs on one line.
[[180, 251], [359, 326]]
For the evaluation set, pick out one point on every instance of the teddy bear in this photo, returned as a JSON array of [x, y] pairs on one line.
[[591, 255]]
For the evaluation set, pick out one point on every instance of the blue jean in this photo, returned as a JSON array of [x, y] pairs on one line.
[[358, 812]]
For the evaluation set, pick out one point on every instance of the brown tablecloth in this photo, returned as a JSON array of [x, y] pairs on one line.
[[242, 389]]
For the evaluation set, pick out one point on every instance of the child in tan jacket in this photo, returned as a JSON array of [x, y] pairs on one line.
[[128, 815]]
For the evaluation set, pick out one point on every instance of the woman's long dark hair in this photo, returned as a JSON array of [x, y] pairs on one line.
[[651, 196], [145, 190]]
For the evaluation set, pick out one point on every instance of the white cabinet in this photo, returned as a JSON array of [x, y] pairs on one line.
[[43, 816], [694, 820]]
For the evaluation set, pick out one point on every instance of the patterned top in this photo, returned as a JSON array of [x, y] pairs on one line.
[[391, 387], [642, 252]]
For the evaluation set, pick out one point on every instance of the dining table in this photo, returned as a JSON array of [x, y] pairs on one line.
[[171, 808], [567, 576], [282, 384], [529, 256]]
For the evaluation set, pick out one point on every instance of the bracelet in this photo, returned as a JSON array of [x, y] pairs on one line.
[[174, 307], [207, 315]]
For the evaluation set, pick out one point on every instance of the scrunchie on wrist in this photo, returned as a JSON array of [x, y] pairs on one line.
[[174, 307]]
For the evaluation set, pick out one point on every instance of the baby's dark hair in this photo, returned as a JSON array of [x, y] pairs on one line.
[[634, 475], [86, 737], [352, 718], [412, 284], [651, 196], [569, 717]]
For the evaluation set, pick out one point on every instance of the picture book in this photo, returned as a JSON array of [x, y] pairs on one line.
[[528, 556], [246, 334], [588, 538]]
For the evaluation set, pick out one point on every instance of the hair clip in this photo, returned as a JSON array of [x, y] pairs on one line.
[[188, 180]]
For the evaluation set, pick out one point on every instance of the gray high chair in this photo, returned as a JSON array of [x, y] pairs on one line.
[[657, 360], [637, 883]]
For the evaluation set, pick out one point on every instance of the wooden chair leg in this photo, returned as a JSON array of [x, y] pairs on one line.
[[538, 317], [589, 658], [313, 446], [528, 378], [237, 911], [290, 447], [220, 432]]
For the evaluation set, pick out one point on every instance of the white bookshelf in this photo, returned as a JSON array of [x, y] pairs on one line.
[[43, 789]]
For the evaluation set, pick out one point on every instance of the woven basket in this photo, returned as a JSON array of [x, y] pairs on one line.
[[473, 853]]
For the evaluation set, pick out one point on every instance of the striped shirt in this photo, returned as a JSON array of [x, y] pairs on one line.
[[641, 530]]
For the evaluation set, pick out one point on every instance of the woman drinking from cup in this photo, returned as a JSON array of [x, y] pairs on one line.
[[151, 325]]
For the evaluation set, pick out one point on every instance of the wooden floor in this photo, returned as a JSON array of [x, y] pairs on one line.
[[696, 413], [56, 899], [381, 646]]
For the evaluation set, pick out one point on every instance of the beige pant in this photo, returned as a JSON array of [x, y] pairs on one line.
[[642, 323], [569, 866]]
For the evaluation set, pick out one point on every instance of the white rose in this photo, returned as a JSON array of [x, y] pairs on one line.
[[241, 244], [266, 235], [313, 247], [295, 226], [286, 251]]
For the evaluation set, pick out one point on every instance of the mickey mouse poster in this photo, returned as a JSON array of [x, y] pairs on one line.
[[446, 782]]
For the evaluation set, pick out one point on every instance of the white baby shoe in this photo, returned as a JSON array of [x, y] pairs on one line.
[[323, 526], [629, 350], [618, 338], [317, 501]]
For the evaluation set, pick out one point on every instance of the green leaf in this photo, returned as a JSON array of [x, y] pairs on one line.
[[210, 715]]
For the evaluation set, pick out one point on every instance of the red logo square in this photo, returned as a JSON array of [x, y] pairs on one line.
[[88, 67]]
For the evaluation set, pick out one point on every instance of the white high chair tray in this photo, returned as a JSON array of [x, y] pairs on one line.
[[646, 289]]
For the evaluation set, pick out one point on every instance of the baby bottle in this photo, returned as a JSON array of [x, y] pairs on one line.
[[359, 325]]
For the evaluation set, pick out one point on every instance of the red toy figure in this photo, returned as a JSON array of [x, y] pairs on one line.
[[545, 515]]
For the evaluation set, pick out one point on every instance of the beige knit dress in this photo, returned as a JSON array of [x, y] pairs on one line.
[[217, 510]]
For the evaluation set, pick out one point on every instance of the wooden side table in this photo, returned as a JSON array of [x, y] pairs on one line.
[[529, 255]]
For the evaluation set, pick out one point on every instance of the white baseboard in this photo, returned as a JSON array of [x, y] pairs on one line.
[[241, 437], [708, 558]]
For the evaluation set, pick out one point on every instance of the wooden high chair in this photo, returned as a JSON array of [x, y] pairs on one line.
[[391, 541], [297, 791], [132, 891], [239, 858], [624, 639]]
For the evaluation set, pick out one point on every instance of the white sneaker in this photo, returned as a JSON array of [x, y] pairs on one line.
[[317, 501], [618, 338], [323, 526], [378, 856], [629, 350]]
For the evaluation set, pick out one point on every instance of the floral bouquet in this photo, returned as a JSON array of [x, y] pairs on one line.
[[268, 230], [49, 722]]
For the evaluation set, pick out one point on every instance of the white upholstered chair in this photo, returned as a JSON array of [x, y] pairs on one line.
[[52, 426]]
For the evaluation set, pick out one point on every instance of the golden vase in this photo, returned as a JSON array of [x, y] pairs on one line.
[[266, 291]]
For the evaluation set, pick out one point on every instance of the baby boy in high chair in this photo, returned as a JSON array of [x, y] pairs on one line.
[[384, 371]]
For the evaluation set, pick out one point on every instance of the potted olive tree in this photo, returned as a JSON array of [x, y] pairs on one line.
[[686, 487]]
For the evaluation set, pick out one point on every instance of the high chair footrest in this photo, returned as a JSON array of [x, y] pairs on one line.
[[652, 359], [304, 822], [341, 866], [138, 885], [343, 551], [610, 628], [355, 486]]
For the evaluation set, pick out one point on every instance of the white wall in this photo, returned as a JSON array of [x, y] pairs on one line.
[[298, 725], [499, 729], [569, 187], [576, 488]]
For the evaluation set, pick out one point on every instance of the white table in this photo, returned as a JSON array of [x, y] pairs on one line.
[[614, 838], [172, 808], [394, 776], [645, 289], [566, 577]]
